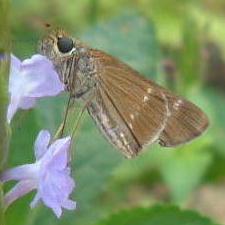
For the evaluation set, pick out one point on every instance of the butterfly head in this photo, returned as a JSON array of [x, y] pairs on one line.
[[57, 44], [62, 49], [68, 56]]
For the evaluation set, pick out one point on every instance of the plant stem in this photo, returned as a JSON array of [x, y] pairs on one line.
[[4, 71]]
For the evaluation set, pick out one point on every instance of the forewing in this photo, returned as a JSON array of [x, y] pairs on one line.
[[186, 122], [149, 111], [112, 124], [140, 102]]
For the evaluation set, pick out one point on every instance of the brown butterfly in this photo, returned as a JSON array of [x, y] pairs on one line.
[[130, 110]]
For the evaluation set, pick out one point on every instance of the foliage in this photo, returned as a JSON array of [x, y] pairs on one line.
[[159, 214], [143, 34]]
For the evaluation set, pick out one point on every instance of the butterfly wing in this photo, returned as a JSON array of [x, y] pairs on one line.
[[141, 111], [109, 120], [186, 122]]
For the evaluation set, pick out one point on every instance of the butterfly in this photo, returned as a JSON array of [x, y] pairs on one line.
[[130, 110]]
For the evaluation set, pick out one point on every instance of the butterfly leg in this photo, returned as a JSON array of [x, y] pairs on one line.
[[59, 132]]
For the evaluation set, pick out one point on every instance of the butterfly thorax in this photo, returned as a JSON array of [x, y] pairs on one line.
[[77, 72]]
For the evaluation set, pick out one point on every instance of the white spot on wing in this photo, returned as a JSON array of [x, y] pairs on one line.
[[122, 134], [132, 116], [177, 104], [145, 98], [149, 90]]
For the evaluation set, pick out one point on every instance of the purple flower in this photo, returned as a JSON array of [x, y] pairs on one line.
[[31, 79], [50, 175]]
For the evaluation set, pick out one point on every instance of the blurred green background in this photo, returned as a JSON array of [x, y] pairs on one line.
[[180, 45]]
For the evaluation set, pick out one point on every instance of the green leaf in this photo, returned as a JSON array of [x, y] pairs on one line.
[[217, 128], [129, 37], [157, 215], [184, 170], [189, 59], [181, 169]]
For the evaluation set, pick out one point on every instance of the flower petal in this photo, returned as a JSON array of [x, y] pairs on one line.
[[35, 200], [57, 210], [15, 65], [43, 79], [41, 143], [13, 107], [16, 87], [50, 175], [58, 155], [23, 172], [27, 102], [20, 189], [30, 79], [17, 102], [55, 188], [69, 204]]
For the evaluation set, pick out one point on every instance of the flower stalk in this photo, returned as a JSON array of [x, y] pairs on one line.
[[4, 71]]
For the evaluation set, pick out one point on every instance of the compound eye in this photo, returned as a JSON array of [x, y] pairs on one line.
[[65, 44]]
